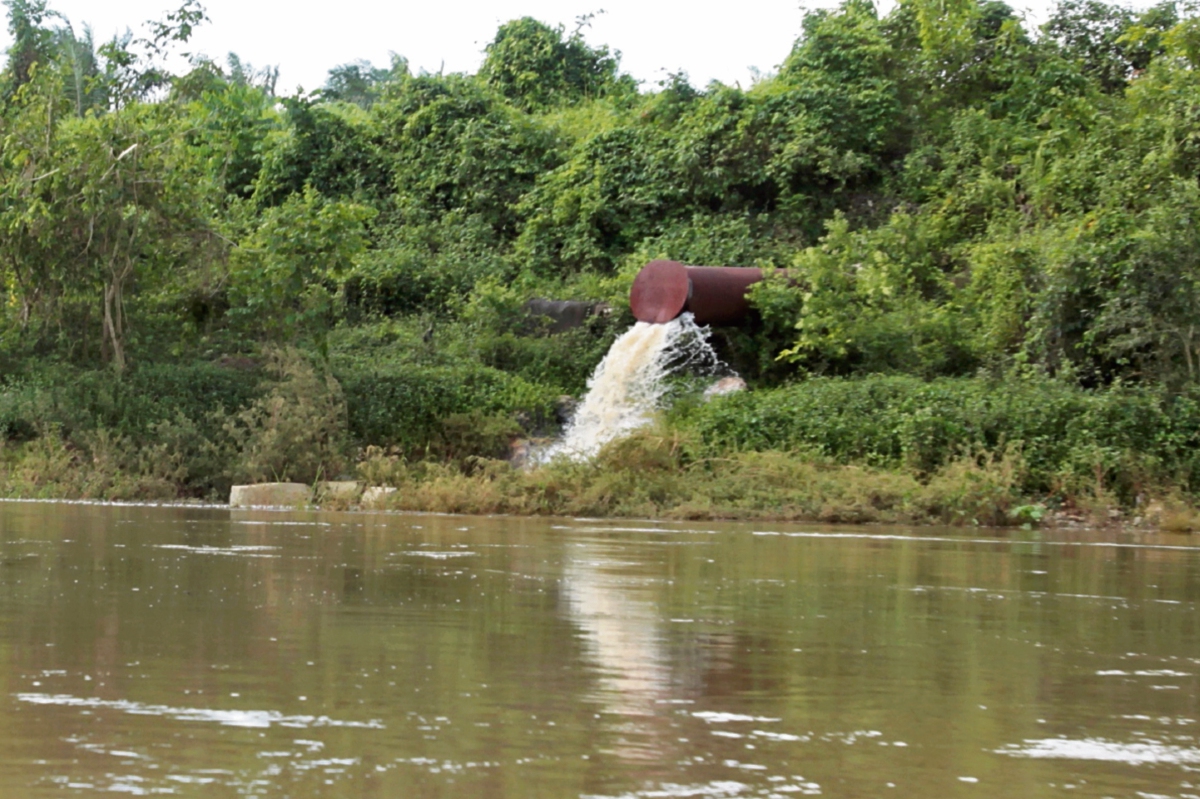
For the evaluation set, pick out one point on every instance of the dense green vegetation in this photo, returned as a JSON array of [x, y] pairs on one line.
[[990, 236]]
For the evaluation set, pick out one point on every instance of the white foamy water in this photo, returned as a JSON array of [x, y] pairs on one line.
[[1134, 754], [227, 718], [629, 384]]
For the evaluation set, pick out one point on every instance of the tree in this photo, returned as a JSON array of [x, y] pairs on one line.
[[93, 207], [242, 73], [134, 203], [136, 66], [33, 40], [533, 65], [1110, 42], [284, 271], [456, 145], [362, 83], [321, 146]]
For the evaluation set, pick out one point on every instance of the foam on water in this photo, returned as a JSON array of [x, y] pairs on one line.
[[630, 383], [227, 718], [1135, 754]]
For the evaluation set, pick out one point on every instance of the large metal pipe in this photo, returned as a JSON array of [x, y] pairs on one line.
[[714, 294]]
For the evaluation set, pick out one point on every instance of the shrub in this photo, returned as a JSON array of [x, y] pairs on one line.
[[1126, 439], [406, 406], [297, 431], [130, 405]]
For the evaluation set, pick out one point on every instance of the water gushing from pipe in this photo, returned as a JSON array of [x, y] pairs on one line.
[[631, 382]]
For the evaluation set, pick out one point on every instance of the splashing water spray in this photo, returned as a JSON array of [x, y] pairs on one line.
[[673, 304], [630, 383]]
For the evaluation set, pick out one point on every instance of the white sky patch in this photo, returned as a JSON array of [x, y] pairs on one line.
[[305, 38]]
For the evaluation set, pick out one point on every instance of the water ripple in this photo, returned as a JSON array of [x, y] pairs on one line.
[[228, 718], [1135, 754]]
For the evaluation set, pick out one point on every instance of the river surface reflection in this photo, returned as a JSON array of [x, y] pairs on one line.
[[209, 652]]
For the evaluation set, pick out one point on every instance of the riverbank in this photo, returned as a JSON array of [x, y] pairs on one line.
[[650, 476], [878, 449], [653, 474]]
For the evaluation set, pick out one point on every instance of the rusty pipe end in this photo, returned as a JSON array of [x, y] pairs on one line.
[[714, 294], [660, 292]]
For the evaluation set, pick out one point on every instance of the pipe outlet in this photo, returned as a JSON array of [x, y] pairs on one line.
[[715, 295]]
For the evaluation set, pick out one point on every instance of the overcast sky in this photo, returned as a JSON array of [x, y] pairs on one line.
[[304, 38]]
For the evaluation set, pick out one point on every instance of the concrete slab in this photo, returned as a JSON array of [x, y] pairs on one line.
[[270, 495]]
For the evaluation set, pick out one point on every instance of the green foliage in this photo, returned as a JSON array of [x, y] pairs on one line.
[[531, 64], [614, 192], [455, 145], [283, 273], [933, 194], [32, 40], [230, 122], [407, 406], [320, 147], [296, 431], [427, 265], [1128, 440], [132, 406], [1110, 42], [80, 62], [844, 105], [361, 83], [91, 207], [947, 193]]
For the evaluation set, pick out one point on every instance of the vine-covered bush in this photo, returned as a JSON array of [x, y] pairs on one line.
[[407, 407], [1125, 439]]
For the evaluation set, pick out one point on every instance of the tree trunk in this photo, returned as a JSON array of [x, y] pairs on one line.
[[113, 328]]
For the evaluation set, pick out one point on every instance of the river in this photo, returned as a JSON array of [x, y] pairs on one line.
[[208, 652]]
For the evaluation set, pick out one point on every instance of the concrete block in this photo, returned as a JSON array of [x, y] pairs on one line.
[[270, 495]]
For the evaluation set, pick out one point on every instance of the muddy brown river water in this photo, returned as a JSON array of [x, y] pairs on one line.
[[208, 652]]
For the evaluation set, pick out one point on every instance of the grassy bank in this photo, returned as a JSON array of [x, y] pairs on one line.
[[876, 449], [651, 475]]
